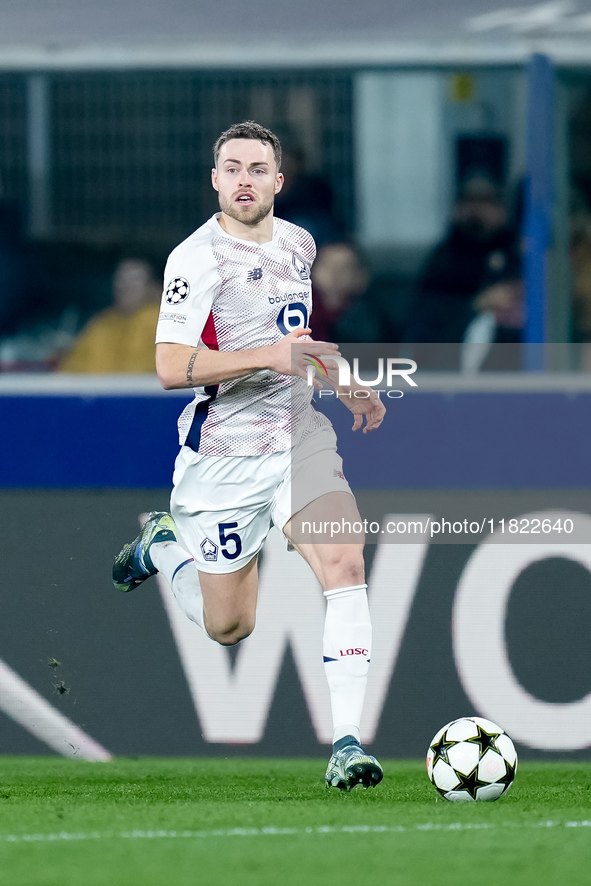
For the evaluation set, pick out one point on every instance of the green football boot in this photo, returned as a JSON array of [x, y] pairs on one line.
[[350, 765], [133, 565]]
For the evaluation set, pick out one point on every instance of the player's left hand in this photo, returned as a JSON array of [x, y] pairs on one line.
[[371, 407]]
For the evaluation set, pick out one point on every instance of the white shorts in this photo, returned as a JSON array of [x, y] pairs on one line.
[[224, 506]]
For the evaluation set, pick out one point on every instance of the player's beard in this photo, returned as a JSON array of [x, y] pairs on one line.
[[250, 214]]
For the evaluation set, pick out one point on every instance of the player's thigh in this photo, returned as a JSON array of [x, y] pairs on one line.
[[328, 533], [229, 602], [221, 506], [314, 492]]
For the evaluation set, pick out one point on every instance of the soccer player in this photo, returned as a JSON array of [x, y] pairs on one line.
[[236, 306]]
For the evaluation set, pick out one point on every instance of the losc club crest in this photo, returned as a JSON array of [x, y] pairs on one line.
[[177, 291], [301, 267], [209, 550]]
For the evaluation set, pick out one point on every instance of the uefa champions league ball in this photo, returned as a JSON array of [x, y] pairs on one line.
[[471, 759]]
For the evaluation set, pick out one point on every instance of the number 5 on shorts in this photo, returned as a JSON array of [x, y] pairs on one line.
[[229, 537]]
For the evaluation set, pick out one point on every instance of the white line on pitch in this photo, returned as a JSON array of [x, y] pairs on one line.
[[65, 836]]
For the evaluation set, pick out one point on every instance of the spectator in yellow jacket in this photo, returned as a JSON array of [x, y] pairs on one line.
[[121, 338]]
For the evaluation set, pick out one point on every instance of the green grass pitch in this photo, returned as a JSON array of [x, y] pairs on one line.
[[254, 822]]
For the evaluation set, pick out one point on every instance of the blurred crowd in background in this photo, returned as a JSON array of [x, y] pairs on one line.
[[469, 286], [87, 309]]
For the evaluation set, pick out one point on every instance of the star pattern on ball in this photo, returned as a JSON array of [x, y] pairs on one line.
[[484, 740], [493, 762], [470, 783], [440, 749], [509, 776]]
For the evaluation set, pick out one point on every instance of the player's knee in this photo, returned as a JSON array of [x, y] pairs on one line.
[[343, 568], [232, 633]]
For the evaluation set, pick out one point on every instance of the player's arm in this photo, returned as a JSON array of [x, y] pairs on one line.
[[184, 366], [371, 407], [361, 400]]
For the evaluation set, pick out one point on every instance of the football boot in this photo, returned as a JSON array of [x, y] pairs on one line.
[[351, 765], [133, 565]]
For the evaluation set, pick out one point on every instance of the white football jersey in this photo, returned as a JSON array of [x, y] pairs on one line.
[[230, 295]]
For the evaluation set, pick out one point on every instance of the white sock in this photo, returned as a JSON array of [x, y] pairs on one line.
[[347, 651], [178, 567]]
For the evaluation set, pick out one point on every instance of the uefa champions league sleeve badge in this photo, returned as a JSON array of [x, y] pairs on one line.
[[177, 291]]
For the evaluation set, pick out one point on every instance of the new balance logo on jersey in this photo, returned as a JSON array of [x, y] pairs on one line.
[[255, 274]]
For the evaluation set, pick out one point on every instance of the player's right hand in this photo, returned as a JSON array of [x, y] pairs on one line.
[[292, 357]]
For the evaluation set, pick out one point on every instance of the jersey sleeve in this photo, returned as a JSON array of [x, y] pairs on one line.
[[191, 283], [309, 247]]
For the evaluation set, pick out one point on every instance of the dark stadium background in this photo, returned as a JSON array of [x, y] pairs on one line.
[[106, 121]]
